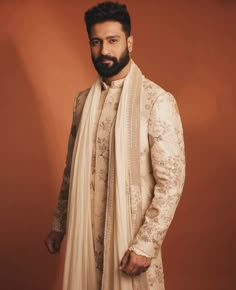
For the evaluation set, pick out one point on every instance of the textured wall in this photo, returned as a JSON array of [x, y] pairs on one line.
[[188, 47]]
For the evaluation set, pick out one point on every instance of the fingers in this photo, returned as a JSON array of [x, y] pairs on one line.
[[133, 264], [53, 242], [52, 246], [124, 261]]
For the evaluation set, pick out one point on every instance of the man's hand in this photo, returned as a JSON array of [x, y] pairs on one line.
[[53, 242], [133, 264]]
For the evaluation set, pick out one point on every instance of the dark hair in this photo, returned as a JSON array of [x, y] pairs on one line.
[[106, 11]]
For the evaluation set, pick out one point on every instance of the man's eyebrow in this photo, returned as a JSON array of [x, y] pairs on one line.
[[108, 37], [113, 36], [95, 38]]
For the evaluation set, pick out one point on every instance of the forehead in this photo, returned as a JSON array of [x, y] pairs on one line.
[[106, 29]]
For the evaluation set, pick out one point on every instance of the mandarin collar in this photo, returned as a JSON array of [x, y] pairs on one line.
[[114, 84]]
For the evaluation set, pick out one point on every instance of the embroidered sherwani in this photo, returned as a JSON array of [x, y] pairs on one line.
[[162, 171]]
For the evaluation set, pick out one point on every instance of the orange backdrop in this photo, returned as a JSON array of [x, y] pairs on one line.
[[188, 47]]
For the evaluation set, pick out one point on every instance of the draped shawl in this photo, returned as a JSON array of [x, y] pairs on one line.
[[123, 215]]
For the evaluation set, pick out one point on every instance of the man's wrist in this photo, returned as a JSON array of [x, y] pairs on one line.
[[139, 252]]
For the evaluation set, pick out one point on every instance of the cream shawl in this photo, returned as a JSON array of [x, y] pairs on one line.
[[121, 226]]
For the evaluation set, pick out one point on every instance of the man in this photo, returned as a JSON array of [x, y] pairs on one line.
[[125, 168]]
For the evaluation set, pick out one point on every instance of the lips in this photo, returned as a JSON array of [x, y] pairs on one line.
[[106, 61]]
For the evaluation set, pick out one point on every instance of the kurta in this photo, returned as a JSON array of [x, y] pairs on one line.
[[162, 172], [104, 119]]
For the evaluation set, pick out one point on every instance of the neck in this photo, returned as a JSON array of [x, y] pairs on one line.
[[122, 74]]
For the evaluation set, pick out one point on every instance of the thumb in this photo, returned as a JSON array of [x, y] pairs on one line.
[[124, 260], [57, 245], [50, 246]]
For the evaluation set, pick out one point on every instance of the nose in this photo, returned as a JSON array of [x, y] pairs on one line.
[[104, 49]]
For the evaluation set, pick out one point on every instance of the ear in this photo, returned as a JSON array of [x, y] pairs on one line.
[[130, 41]]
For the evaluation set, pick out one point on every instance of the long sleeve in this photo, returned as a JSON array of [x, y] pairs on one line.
[[168, 166], [60, 214]]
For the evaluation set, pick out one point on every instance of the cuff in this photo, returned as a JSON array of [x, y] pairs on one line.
[[139, 252]]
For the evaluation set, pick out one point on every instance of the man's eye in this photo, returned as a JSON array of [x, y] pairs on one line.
[[94, 42], [112, 40]]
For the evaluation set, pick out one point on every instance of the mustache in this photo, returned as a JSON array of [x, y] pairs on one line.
[[105, 57]]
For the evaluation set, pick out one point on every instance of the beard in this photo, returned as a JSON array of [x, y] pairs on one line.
[[106, 70]]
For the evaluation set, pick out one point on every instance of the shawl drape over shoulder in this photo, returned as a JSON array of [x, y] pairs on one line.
[[145, 181]]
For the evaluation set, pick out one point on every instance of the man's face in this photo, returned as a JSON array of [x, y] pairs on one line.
[[110, 48]]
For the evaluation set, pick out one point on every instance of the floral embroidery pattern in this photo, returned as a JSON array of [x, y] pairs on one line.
[[162, 169], [101, 165]]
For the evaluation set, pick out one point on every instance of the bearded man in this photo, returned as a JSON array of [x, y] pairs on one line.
[[125, 168]]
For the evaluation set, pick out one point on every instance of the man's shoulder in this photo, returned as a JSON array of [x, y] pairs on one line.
[[81, 97], [155, 94], [83, 93], [152, 93], [80, 101], [150, 87]]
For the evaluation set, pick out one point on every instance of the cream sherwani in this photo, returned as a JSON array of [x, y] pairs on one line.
[[162, 172]]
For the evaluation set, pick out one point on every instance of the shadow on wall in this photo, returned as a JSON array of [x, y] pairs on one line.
[[26, 181]]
